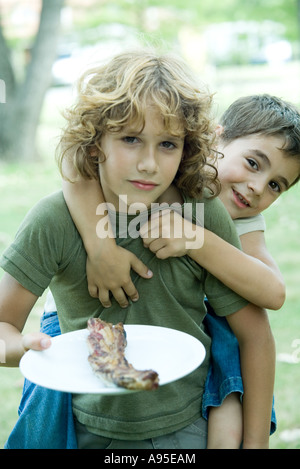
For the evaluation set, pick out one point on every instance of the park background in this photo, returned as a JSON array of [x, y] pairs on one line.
[[236, 47]]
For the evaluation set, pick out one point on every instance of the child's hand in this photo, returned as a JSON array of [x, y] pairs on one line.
[[168, 234], [36, 341], [108, 270]]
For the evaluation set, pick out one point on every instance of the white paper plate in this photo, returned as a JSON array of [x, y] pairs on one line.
[[64, 366]]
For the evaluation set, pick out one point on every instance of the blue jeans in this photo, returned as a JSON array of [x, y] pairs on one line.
[[45, 416], [224, 374]]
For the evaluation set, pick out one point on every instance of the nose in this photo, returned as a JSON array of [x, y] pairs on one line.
[[147, 161], [257, 185]]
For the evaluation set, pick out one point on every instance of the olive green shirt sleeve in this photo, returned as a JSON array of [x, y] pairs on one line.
[[27, 259]]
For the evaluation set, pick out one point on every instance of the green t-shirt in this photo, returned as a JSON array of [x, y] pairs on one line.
[[48, 251]]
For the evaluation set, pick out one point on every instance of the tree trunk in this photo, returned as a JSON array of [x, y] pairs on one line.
[[20, 115]]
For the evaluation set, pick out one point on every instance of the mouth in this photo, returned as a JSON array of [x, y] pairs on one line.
[[143, 185], [240, 200]]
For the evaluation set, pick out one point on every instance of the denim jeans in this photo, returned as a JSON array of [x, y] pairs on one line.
[[224, 375], [45, 416]]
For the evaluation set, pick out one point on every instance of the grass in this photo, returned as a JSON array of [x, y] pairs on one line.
[[22, 185], [284, 244]]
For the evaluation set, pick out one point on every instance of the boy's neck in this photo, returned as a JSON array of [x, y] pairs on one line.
[[171, 195]]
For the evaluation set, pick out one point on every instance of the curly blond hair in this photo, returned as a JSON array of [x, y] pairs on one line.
[[117, 94]]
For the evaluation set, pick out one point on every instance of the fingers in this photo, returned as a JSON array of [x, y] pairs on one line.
[[160, 225], [121, 294], [156, 244], [140, 268], [93, 290], [121, 288], [36, 341], [103, 295], [151, 229]]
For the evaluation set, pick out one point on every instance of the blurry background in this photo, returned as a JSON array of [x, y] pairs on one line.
[[236, 47]]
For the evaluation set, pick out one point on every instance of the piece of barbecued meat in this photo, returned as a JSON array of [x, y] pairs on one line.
[[107, 343]]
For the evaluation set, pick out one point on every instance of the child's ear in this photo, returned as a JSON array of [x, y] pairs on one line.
[[94, 151], [219, 130]]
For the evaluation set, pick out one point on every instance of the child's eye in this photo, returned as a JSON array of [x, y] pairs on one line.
[[275, 186], [168, 145], [129, 140], [252, 163]]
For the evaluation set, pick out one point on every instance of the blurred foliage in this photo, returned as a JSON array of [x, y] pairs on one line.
[[165, 17], [184, 26], [193, 13], [163, 23]]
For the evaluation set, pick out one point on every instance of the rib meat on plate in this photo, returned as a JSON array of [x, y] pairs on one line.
[[107, 343]]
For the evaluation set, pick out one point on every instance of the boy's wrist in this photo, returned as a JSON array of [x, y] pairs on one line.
[[199, 250], [98, 244]]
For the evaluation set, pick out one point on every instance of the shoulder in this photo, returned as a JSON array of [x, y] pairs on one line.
[[44, 243], [49, 210], [215, 218], [247, 225], [54, 203], [47, 223]]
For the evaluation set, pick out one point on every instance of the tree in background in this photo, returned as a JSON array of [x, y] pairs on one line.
[[19, 115]]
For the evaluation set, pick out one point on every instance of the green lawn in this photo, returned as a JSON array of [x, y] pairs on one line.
[[20, 187], [23, 185], [284, 243]]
